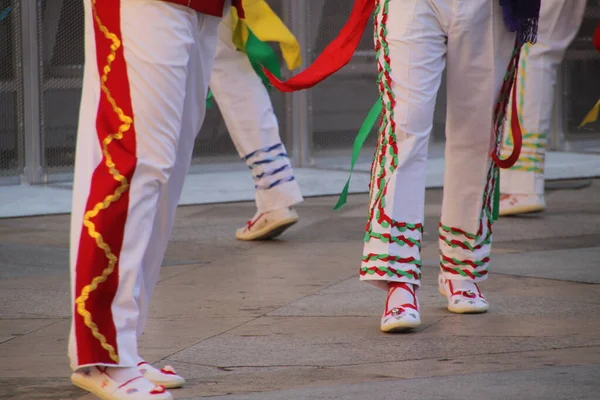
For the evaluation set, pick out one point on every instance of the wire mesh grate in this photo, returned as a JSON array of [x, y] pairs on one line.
[[338, 105], [581, 86], [11, 90], [61, 34]]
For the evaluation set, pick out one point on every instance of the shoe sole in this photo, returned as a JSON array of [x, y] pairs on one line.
[[525, 209], [81, 383], [462, 310], [400, 327], [271, 231], [171, 385]]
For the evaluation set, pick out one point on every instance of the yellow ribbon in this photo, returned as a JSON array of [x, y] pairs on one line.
[[592, 116], [267, 27]]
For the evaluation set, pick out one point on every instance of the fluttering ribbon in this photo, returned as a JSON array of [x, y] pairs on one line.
[[592, 115], [261, 21], [359, 141], [335, 56], [251, 35], [515, 124], [596, 39]]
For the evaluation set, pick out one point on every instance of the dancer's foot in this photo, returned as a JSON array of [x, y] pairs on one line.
[[109, 383], [166, 376], [401, 308], [268, 225], [514, 204], [464, 297]]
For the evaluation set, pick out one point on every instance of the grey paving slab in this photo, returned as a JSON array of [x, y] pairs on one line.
[[578, 265], [311, 341], [34, 303], [33, 388], [38, 256], [354, 298], [15, 271], [20, 327], [560, 383], [474, 364], [36, 296], [46, 231], [554, 243], [50, 341], [35, 367], [164, 337], [208, 381], [239, 318], [546, 225]]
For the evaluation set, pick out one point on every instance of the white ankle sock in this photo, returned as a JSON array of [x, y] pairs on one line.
[[399, 296]]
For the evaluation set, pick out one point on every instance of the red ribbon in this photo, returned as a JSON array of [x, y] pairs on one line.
[[335, 56], [596, 39], [517, 134]]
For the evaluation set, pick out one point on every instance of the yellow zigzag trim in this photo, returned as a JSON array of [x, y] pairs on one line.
[[123, 187]]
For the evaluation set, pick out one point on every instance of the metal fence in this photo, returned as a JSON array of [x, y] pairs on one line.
[[12, 147], [41, 64]]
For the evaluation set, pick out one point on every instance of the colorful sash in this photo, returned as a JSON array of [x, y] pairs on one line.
[[251, 34]]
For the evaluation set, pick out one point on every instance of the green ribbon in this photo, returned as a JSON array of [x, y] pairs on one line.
[[259, 54], [359, 141], [496, 206]]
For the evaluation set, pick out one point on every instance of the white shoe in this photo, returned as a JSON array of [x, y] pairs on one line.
[[98, 381], [404, 316], [166, 376], [464, 297], [267, 225], [513, 204]]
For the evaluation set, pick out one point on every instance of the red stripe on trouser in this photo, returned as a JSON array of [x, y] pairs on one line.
[[97, 268]]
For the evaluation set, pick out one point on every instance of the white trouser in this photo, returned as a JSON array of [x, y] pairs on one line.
[[559, 23], [248, 113], [155, 60], [415, 40]]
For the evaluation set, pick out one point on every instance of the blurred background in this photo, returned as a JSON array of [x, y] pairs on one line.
[[41, 65]]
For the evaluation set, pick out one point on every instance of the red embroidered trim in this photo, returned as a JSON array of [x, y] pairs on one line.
[[131, 380], [465, 293], [378, 271], [160, 389], [465, 271]]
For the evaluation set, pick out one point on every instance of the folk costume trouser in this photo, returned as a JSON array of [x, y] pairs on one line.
[[415, 40], [248, 113], [145, 83], [559, 22]]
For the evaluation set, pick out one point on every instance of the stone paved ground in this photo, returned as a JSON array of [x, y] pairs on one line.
[[288, 319]]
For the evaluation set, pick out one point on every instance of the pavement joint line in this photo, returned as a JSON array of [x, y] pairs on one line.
[[36, 316], [210, 337], [543, 278], [13, 336], [389, 361], [183, 272], [20, 318], [436, 322]]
